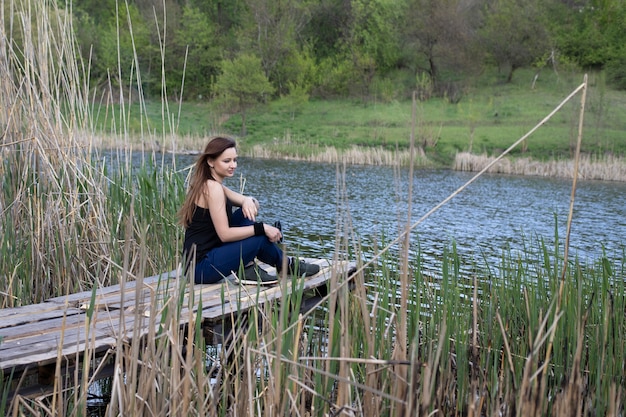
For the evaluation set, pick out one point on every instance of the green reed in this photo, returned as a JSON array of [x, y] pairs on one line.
[[476, 343], [50, 237], [507, 339], [64, 205]]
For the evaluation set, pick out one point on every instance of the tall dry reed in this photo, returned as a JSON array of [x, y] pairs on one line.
[[52, 205], [354, 155], [605, 168], [402, 342], [61, 230]]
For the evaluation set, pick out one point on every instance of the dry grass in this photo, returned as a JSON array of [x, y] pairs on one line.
[[62, 215], [608, 168], [52, 204], [355, 155], [402, 343], [358, 355]]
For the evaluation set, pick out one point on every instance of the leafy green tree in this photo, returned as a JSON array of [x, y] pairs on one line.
[[340, 47], [162, 62], [195, 41], [372, 44], [123, 48], [300, 71], [84, 31], [118, 42], [515, 33], [616, 60], [102, 12], [270, 30], [592, 34], [616, 71], [243, 84], [374, 30], [438, 35], [328, 25], [225, 14]]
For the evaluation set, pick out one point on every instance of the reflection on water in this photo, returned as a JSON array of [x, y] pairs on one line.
[[494, 213]]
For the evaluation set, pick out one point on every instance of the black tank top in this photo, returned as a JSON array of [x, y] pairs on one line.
[[201, 232]]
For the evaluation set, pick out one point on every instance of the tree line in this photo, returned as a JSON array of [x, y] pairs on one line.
[[254, 49]]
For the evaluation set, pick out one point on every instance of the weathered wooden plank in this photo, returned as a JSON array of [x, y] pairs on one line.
[[43, 343], [27, 310], [39, 341], [23, 335], [241, 303], [33, 313], [59, 307], [62, 334], [113, 301], [16, 337], [250, 299], [73, 340], [149, 295], [102, 335], [77, 299]]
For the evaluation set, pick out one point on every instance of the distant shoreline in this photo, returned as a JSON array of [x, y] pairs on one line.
[[606, 168]]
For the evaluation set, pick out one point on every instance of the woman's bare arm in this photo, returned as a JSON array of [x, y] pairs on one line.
[[216, 201], [249, 205]]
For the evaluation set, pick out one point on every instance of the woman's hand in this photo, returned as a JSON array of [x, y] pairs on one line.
[[250, 208], [273, 234]]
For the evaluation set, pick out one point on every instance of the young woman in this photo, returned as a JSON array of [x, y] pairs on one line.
[[218, 240]]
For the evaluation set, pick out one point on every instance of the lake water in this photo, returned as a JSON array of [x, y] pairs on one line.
[[495, 213]]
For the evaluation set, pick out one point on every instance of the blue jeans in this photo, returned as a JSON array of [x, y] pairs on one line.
[[221, 261]]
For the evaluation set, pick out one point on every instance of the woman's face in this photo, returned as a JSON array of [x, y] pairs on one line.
[[224, 165]]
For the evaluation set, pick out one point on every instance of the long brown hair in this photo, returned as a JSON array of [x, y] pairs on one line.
[[201, 172]]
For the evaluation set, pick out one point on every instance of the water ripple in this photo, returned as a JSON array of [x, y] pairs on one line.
[[493, 214]]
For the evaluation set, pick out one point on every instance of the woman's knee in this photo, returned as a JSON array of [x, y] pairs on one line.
[[207, 273], [203, 277], [238, 219]]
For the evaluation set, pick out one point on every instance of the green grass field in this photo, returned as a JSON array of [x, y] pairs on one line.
[[489, 118]]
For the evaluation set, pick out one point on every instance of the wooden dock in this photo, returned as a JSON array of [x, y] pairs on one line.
[[38, 337]]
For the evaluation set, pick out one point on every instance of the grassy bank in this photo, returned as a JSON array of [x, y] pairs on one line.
[[490, 116]]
